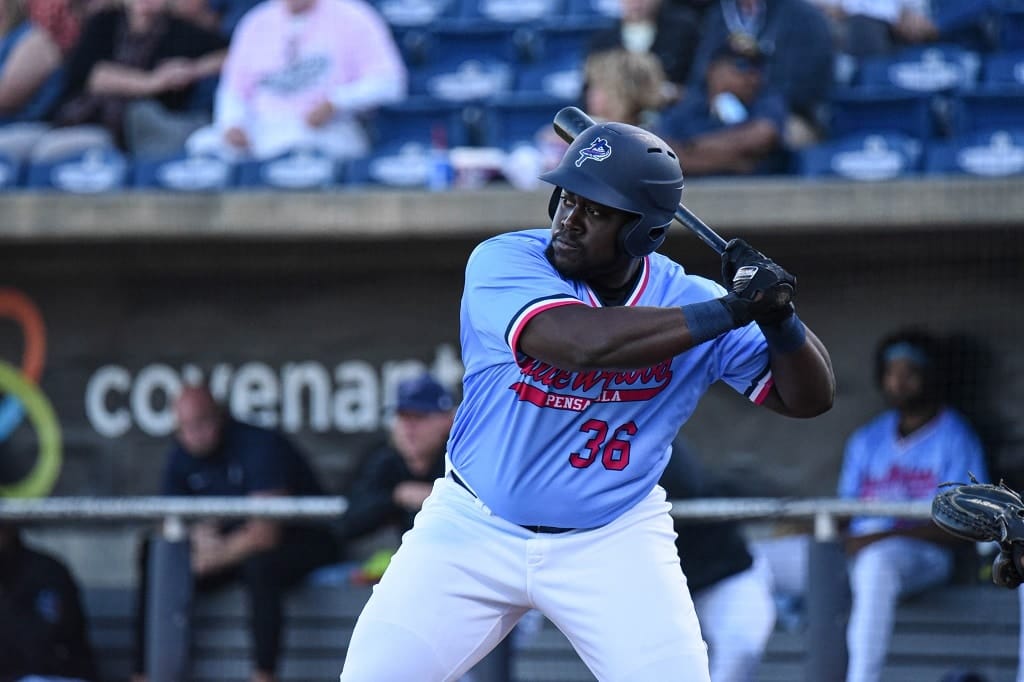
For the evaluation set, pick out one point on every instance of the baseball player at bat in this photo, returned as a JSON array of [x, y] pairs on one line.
[[585, 351]]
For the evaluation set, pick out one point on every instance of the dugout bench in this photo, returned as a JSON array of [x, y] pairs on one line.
[[963, 626]]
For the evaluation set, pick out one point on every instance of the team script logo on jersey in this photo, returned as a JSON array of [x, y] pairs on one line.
[[549, 386], [598, 150]]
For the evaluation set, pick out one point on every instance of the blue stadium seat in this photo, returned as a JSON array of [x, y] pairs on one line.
[[10, 173], [561, 43], [593, 13], [511, 11], [865, 157], [465, 64], [422, 13], [856, 110], [986, 110], [1003, 71], [407, 167], [994, 154], [297, 170], [466, 81], [560, 80], [183, 173], [930, 69], [1011, 28], [92, 171], [418, 120], [517, 120]]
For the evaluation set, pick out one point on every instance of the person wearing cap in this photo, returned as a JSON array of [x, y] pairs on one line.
[[901, 455], [732, 124], [397, 476]]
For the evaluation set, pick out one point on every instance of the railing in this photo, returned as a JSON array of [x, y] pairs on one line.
[[826, 607]]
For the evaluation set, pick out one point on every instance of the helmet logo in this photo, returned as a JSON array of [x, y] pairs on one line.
[[598, 150]]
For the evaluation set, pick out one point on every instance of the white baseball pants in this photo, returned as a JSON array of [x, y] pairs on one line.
[[463, 577]]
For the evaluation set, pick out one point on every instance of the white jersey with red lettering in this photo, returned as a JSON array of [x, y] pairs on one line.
[[544, 446]]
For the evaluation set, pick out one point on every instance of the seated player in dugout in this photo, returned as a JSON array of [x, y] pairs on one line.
[[734, 125]]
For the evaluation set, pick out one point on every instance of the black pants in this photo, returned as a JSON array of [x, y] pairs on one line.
[[265, 576]]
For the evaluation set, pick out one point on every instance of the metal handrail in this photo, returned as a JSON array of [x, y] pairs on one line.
[[81, 509]]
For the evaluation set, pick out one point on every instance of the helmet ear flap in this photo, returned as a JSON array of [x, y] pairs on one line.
[[638, 241], [556, 195]]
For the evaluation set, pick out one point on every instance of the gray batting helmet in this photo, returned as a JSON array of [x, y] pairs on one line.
[[627, 168]]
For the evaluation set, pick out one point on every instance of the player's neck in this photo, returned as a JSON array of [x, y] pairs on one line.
[[612, 292], [912, 419]]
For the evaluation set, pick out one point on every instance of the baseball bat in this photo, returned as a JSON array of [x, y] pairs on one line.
[[571, 121]]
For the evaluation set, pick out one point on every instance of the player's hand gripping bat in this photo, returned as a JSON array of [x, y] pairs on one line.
[[571, 121]]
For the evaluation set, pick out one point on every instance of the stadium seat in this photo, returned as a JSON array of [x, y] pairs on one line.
[[985, 110], [559, 80], [407, 167], [995, 154], [511, 11], [10, 173], [422, 13], [465, 64], [297, 170], [858, 110], [92, 171], [423, 121], [1003, 71], [593, 13], [183, 173], [57, 144], [865, 157], [930, 69], [17, 140], [517, 120], [1011, 28]]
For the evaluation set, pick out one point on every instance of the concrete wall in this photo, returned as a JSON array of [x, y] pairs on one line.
[[306, 309]]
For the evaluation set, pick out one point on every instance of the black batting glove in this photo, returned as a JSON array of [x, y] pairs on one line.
[[759, 289]]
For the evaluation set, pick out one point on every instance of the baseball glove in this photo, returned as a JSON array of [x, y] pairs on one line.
[[986, 513]]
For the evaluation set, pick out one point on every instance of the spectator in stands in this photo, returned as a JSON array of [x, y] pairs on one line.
[[30, 62], [620, 86], [667, 29], [42, 623], [733, 126], [301, 73], [794, 38], [624, 86], [731, 593], [880, 27], [397, 477], [134, 71], [901, 455], [216, 455]]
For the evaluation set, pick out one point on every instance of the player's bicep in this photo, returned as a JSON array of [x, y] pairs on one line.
[[506, 288], [546, 335]]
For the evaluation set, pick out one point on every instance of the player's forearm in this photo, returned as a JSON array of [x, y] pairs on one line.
[[804, 380]]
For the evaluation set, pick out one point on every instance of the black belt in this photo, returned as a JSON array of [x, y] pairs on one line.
[[534, 529]]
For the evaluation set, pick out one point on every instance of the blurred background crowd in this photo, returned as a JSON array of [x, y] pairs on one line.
[[208, 94]]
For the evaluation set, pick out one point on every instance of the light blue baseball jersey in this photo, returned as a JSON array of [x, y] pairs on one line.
[[544, 446], [879, 464]]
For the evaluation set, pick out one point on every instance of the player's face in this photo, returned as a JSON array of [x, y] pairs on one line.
[[585, 240], [199, 427], [903, 383], [420, 437]]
